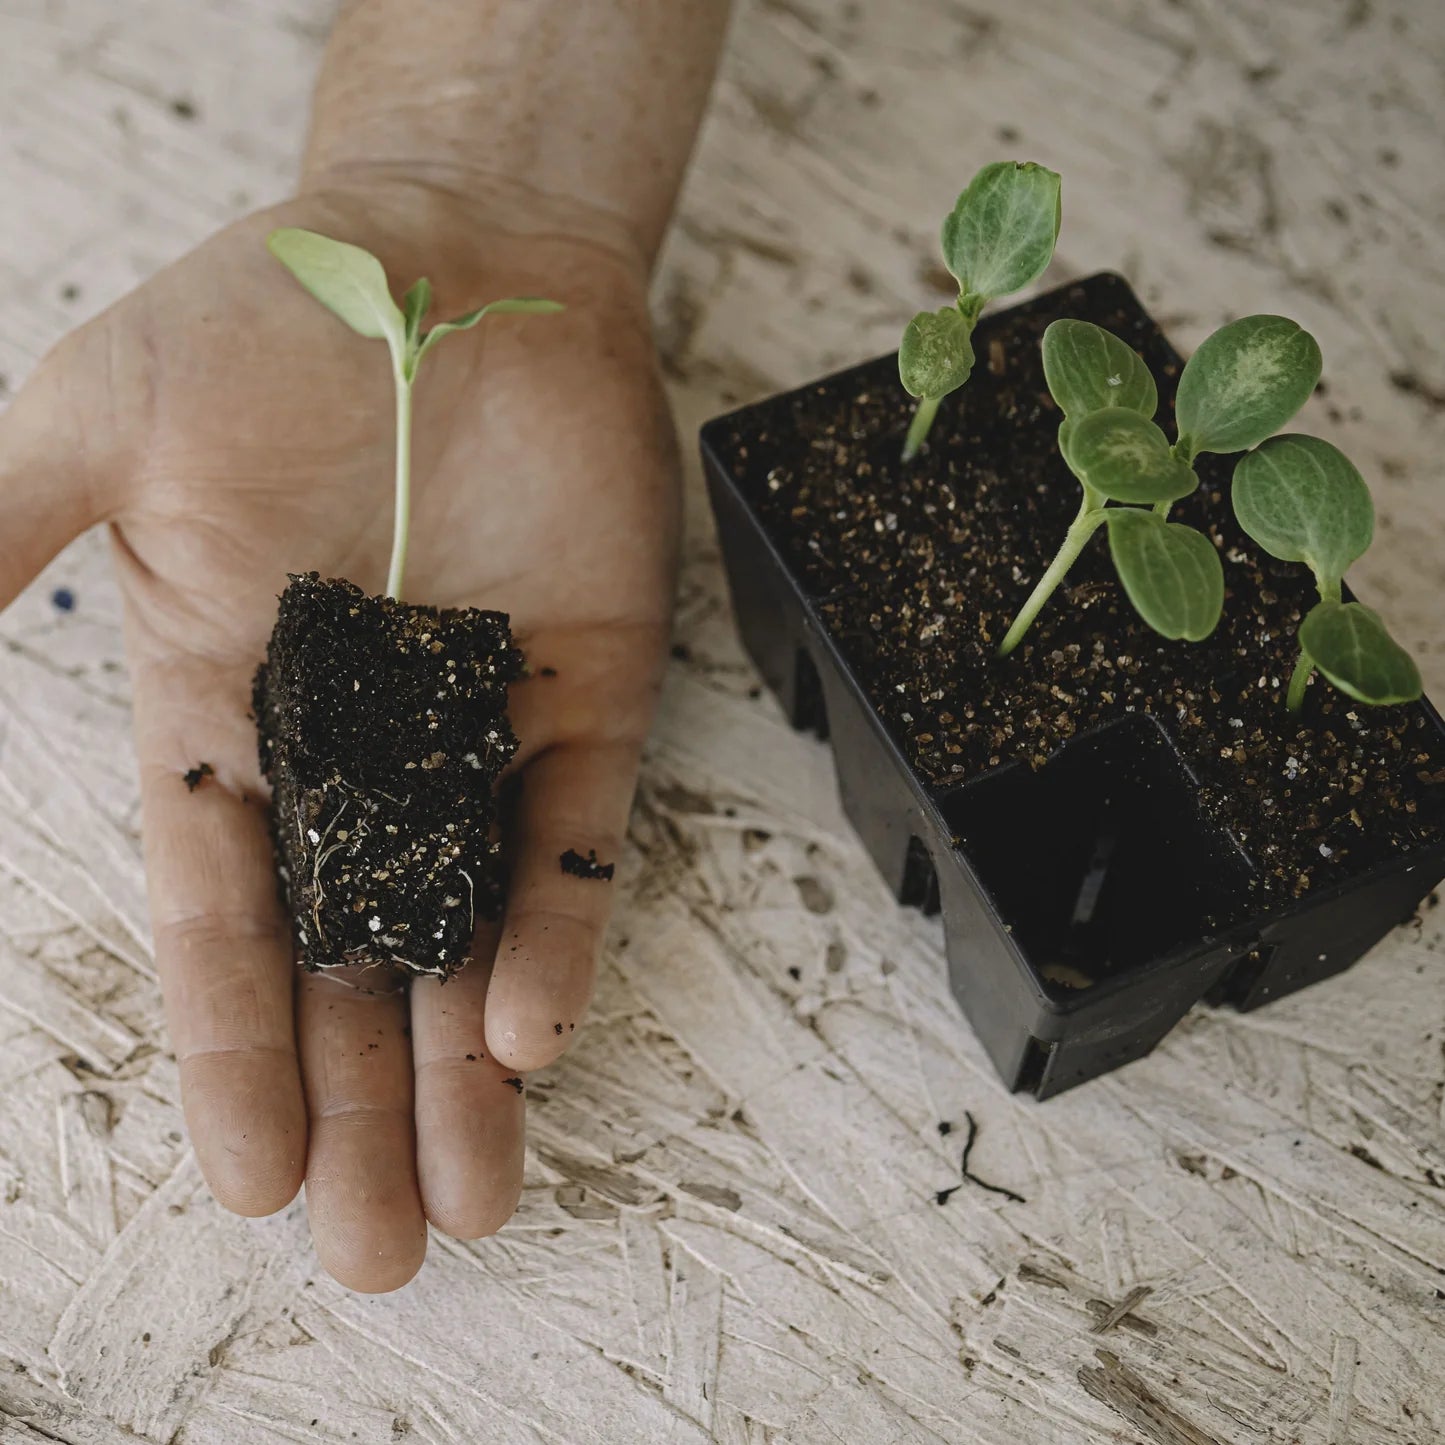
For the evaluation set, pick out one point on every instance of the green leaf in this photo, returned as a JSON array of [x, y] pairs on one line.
[[936, 354], [1349, 644], [513, 306], [1302, 500], [1000, 234], [1066, 435], [1244, 383], [1171, 573], [414, 307], [1088, 368], [344, 278], [1125, 457]]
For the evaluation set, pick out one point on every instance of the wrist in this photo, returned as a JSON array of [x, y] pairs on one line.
[[456, 216]]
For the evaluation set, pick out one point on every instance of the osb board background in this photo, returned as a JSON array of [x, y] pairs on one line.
[[730, 1228]]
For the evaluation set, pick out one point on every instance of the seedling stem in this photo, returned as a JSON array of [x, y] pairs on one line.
[[401, 525], [1088, 521]]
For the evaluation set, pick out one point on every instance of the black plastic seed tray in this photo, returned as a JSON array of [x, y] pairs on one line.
[[1088, 904]]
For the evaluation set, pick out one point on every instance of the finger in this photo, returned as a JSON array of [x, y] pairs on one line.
[[575, 799], [361, 1188], [469, 1106], [46, 466], [223, 951]]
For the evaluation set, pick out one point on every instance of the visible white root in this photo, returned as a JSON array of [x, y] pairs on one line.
[[318, 893], [471, 901]]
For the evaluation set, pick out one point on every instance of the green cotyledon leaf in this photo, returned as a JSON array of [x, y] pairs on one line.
[[1088, 369], [1244, 383], [1001, 232], [1125, 457], [1351, 646], [1171, 573], [1303, 500]]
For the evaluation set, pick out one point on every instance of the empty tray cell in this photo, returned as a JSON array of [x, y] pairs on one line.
[[1099, 863]]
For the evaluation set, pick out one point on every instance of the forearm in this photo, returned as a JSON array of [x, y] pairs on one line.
[[573, 112]]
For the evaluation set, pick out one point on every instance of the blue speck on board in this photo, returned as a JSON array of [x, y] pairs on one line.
[[63, 599]]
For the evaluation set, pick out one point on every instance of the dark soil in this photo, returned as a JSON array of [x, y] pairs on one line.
[[579, 867], [194, 777], [917, 572], [383, 729]]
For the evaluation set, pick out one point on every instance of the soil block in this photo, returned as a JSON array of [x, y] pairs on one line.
[[1114, 826], [383, 728]]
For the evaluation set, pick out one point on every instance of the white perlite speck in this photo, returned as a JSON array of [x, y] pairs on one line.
[[374, 924]]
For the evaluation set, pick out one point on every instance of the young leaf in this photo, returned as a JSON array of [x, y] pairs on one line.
[[1349, 644], [1302, 500], [414, 307], [1066, 436], [513, 306], [344, 278], [1244, 383], [1171, 573], [936, 354], [1125, 457], [1000, 234], [1088, 368]]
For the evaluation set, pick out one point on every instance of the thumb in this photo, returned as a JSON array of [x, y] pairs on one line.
[[51, 453]]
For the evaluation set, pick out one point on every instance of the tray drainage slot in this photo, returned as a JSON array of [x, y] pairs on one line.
[[1237, 985], [1035, 1064], [810, 710], [920, 879]]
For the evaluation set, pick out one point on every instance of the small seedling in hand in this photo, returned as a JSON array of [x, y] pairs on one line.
[[351, 282], [1303, 500], [1241, 386], [383, 724], [999, 236]]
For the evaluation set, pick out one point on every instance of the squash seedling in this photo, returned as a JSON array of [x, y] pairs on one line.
[[999, 236], [351, 282], [1303, 500], [1242, 384], [383, 725]]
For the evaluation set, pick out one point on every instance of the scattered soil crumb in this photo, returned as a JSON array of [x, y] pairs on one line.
[[194, 777], [579, 867]]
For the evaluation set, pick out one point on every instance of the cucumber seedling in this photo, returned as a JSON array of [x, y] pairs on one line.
[[383, 724], [1242, 384], [1303, 500], [351, 282], [999, 236]]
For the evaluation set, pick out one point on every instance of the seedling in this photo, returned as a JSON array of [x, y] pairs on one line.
[[1303, 500], [999, 236], [351, 282], [1244, 382]]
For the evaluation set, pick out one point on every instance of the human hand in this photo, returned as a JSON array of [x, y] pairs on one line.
[[231, 431]]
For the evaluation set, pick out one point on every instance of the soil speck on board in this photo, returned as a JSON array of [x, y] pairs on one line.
[[514, 1083]]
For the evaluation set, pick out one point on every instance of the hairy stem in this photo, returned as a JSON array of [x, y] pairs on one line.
[[1299, 680], [402, 524], [1091, 515], [918, 428]]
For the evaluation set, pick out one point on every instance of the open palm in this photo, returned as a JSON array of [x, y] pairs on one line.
[[232, 431]]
